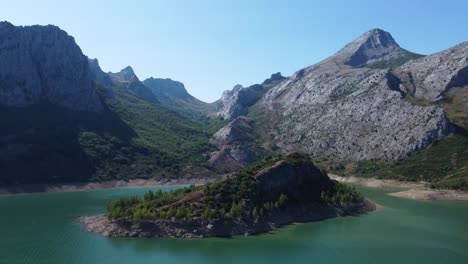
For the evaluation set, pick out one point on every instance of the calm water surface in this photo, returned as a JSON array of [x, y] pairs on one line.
[[43, 228]]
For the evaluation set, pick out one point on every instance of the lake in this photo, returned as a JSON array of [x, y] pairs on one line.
[[43, 228]]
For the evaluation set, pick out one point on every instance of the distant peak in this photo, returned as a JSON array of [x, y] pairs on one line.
[[238, 86], [127, 74], [274, 77], [6, 24], [373, 46], [127, 70]]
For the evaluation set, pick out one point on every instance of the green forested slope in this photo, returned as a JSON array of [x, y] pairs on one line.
[[132, 138]]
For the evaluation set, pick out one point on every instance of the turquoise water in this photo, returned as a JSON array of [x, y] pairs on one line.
[[43, 228]]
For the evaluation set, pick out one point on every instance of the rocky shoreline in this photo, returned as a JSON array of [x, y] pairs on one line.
[[200, 228], [89, 186]]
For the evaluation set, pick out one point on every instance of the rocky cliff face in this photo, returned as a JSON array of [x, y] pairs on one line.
[[431, 76], [44, 64], [233, 142], [285, 178], [236, 102], [342, 110]]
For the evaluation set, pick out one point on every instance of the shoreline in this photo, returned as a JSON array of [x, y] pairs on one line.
[[414, 190], [377, 183], [199, 228], [90, 186]]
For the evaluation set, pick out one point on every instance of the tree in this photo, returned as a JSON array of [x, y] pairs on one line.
[[181, 213], [283, 200], [236, 210], [148, 196], [255, 212]]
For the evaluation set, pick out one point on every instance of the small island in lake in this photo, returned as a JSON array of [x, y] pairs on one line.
[[267, 195]]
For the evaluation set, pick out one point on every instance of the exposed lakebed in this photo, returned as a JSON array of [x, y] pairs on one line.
[[43, 228]]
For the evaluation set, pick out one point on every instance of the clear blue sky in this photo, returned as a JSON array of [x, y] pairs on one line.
[[213, 45]]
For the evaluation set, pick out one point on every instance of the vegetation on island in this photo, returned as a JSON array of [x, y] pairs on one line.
[[228, 198]]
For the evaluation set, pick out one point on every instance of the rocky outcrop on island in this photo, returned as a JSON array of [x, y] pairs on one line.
[[44, 64], [256, 200], [236, 102], [234, 142]]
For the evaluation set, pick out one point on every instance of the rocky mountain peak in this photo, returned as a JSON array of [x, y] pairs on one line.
[[275, 77], [374, 46], [5, 24], [126, 75]]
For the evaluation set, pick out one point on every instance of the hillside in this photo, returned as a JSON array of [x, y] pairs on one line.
[[173, 95], [77, 123]]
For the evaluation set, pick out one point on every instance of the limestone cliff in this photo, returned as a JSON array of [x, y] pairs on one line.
[[44, 64], [234, 144]]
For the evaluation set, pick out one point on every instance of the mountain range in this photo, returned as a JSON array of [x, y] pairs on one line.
[[372, 109]]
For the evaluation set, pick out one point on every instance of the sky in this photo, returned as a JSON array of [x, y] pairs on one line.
[[212, 45]]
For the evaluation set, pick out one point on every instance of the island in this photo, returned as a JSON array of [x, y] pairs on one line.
[[267, 195]]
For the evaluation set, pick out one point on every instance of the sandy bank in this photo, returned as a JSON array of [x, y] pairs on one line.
[[416, 190], [377, 183], [75, 187], [429, 194]]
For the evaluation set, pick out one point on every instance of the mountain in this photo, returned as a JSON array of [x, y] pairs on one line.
[[341, 110], [173, 95], [44, 64], [346, 109], [372, 109], [65, 120]]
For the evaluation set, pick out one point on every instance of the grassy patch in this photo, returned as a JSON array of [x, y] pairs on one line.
[[394, 63], [444, 164]]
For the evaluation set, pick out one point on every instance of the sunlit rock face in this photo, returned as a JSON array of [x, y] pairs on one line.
[[341, 109]]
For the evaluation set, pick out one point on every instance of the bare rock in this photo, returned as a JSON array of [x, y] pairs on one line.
[[233, 143], [237, 101], [431, 76]]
